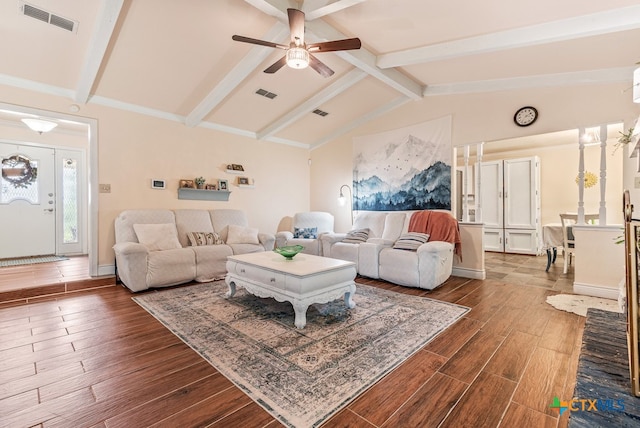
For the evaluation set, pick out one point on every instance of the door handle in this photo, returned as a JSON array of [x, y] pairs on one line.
[[49, 209]]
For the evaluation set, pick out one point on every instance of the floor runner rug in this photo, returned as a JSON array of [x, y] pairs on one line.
[[31, 260], [603, 376], [301, 376]]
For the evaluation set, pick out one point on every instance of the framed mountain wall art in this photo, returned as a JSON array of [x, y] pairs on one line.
[[404, 169]]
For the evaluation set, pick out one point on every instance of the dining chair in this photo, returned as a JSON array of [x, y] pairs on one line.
[[568, 246]]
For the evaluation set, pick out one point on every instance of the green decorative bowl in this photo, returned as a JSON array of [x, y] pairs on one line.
[[289, 251]]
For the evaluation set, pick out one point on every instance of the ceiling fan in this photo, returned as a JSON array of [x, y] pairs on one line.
[[299, 54]]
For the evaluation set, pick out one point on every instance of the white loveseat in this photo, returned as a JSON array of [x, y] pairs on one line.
[[305, 229], [168, 256], [426, 267]]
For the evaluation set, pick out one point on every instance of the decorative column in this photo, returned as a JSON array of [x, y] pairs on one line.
[[603, 175], [465, 190], [581, 137], [478, 196]]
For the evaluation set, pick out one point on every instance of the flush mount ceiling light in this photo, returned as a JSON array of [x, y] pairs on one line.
[[39, 125]]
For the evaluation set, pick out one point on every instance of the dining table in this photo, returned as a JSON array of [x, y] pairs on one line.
[[552, 239]]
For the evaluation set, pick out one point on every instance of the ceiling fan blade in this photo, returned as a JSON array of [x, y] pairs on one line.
[[319, 66], [258, 42], [276, 65], [335, 45], [296, 25]]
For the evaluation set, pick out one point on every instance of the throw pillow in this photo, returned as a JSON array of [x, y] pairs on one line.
[[204, 238], [242, 235], [157, 237], [357, 236], [305, 232], [411, 241]]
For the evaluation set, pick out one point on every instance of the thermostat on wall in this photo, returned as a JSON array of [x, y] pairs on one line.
[[157, 184]]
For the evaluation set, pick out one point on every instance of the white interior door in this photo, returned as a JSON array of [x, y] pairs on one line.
[[27, 201], [491, 194], [520, 193]]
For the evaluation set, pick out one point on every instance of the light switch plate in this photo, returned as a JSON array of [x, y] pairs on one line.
[[105, 188], [157, 183]]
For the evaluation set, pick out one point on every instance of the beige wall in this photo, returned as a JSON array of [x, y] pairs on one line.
[[135, 148], [130, 156], [476, 118]]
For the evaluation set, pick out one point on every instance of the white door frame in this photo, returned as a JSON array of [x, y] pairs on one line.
[[92, 176]]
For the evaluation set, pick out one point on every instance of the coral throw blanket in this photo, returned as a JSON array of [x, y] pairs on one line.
[[441, 226]]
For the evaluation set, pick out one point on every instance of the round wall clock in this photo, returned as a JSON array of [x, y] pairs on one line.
[[525, 116]]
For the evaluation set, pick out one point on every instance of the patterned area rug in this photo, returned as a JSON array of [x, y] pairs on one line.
[[301, 377], [31, 260]]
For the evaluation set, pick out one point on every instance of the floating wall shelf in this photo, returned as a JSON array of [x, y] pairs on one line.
[[203, 195]]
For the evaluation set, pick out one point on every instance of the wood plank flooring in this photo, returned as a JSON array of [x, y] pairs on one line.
[[96, 359], [23, 283]]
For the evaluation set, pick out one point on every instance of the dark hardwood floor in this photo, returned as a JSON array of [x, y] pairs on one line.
[[96, 359]]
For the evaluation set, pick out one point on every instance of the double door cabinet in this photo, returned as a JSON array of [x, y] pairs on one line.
[[510, 200]]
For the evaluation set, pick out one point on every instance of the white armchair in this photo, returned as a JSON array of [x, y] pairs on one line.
[[305, 229]]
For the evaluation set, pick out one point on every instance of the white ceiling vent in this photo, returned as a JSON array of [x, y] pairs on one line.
[[48, 17]]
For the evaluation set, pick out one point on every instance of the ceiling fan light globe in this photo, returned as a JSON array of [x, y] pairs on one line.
[[297, 58]]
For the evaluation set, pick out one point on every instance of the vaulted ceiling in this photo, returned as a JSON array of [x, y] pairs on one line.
[[176, 60]]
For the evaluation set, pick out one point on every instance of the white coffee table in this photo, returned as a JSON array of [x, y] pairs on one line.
[[304, 280]]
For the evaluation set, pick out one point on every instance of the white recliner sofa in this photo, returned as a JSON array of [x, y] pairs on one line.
[[305, 229], [428, 266], [160, 248], [382, 228]]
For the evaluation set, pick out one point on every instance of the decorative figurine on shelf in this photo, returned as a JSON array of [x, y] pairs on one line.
[[199, 182]]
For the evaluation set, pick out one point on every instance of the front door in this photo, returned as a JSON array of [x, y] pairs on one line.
[[27, 201]]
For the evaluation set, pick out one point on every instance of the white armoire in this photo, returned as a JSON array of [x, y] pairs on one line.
[[510, 200]]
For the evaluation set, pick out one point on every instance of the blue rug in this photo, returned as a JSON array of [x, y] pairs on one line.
[[31, 260], [603, 375]]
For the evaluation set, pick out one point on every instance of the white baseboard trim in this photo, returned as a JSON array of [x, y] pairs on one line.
[[105, 270], [603, 291], [469, 273]]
